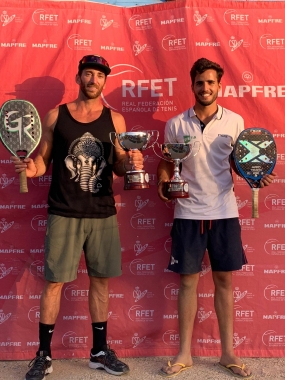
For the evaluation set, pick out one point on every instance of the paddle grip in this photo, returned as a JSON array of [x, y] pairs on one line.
[[23, 182], [255, 192]]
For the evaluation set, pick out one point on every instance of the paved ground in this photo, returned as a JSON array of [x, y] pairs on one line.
[[146, 369]]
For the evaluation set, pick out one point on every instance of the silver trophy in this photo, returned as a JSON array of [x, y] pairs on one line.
[[177, 153], [135, 179]]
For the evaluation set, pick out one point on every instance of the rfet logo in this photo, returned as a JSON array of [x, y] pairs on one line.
[[71, 340], [139, 267], [138, 314], [34, 314], [141, 222], [137, 22], [39, 222], [274, 202], [171, 291], [269, 42], [171, 338], [232, 17], [273, 293], [171, 42], [42, 17], [77, 42], [105, 23], [37, 268], [271, 338], [73, 293], [274, 247]]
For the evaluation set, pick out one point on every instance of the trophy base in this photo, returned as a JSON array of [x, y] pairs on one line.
[[176, 190], [136, 180]]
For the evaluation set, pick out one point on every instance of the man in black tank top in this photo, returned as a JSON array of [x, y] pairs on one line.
[[82, 213]]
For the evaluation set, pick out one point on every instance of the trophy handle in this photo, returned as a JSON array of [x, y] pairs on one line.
[[111, 139], [151, 133], [158, 155]]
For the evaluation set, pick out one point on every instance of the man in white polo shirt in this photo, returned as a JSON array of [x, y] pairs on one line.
[[208, 219]]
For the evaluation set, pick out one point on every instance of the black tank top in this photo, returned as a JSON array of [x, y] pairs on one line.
[[83, 158]]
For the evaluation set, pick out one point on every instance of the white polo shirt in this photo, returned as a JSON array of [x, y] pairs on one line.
[[208, 172]]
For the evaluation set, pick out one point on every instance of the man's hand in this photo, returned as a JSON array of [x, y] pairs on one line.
[[160, 191], [135, 159], [27, 164], [267, 179]]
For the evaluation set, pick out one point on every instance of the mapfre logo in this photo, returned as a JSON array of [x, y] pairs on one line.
[[171, 338], [42, 17], [76, 42], [137, 22], [274, 202], [274, 248], [269, 42], [171, 42], [232, 17], [271, 338]]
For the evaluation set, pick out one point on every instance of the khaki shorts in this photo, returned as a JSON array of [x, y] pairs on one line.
[[67, 237]]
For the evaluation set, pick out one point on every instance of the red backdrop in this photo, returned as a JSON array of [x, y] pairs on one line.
[[150, 50]]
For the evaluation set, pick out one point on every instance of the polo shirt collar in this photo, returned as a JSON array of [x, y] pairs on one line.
[[219, 114]]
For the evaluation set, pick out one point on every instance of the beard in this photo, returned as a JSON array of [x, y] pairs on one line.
[[88, 93], [206, 102]]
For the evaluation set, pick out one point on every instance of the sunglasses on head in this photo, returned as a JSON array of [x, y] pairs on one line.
[[94, 59]]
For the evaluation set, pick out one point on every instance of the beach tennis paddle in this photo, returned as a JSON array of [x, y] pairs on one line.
[[20, 131], [255, 155]]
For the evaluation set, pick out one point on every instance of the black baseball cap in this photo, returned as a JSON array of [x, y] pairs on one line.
[[95, 61]]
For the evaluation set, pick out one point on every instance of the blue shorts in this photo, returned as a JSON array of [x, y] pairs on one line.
[[191, 238]]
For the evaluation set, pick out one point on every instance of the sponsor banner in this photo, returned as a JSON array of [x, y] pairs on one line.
[[150, 50]]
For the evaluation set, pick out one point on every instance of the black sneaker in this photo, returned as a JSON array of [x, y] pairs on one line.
[[107, 360], [40, 366]]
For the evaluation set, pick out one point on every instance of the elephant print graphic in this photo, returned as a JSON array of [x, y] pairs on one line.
[[86, 162]]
